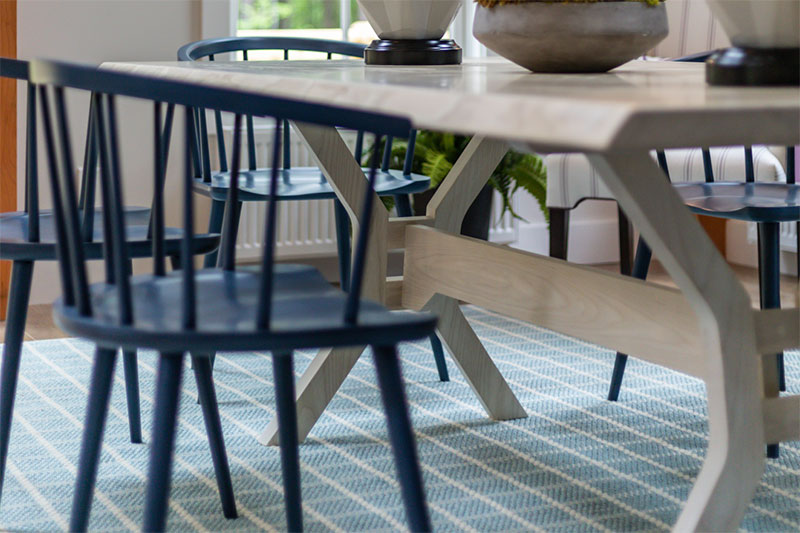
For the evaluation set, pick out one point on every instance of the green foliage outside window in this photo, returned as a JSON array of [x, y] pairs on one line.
[[291, 14]]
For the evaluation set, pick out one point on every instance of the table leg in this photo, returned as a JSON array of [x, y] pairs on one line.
[[735, 458], [473, 361], [330, 367], [447, 208]]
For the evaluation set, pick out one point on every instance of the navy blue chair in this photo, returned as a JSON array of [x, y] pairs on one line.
[[30, 235], [766, 204], [279, 308], [297, 183]]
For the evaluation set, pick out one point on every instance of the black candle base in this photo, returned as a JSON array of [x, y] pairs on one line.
[[754, 66], [412, 52]]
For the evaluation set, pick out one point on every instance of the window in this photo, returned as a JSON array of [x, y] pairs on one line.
[[321, 19], [330, 19]]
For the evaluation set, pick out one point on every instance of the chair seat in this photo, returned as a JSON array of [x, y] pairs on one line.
[[753, 202], [304, 183], [14, 245], [307, 312], [572, 179]]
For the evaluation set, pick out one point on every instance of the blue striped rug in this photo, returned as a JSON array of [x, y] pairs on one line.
[[578, 463]]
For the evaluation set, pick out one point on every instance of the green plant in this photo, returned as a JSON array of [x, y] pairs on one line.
[[435, 153], [492, 3]]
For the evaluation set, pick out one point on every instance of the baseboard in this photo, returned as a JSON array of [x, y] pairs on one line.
[[742, 251], [590, 241]]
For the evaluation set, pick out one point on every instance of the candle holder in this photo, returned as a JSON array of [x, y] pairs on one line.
[[410, 32], [766, 43]]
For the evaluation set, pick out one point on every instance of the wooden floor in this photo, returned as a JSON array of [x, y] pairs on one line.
[[40, 324]]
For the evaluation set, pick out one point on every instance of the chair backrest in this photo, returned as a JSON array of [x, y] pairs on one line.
[[19, 70], [210, 48], [749, 165], [54, 77]]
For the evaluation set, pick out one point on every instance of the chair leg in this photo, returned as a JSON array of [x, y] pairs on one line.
[[770, 291], [208, 402], [343, 243], [131, 370], [212, 357], [559, 232], [18, 297], [438, 356], [640, 267], [625, 229], [403, 206], [168, 383], [93, 428], [401, 435], [283, 373], [402, 203], [214, 226]]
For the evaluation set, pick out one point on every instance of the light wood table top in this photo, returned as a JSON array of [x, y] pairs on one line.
[[633, 106]]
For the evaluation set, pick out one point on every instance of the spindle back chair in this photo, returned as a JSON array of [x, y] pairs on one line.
[[297, 183], [29, 236], [303, 183], [281, 308], [768, 204]]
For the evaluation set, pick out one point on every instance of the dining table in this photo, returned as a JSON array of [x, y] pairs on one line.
[[706, 327]]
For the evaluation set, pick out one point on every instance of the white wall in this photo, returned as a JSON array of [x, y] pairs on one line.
[[109, 30]]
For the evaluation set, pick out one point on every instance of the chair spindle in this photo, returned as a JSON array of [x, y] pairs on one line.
[[65, 264], [113, 180], [708, 169], [749, 168], [201, 112], [156, 229], [356, 279], [231, 214], [387, 153], [69, 208], [359, 151], [89, 179], [662, 161], [251, 144], [408, 164], [187, 260], [287, 150], [100, 141], [32, 168], [264, 314]]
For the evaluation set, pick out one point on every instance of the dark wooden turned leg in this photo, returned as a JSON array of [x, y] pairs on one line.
[[208, 402], [168, 384], [283, 372], [769, 272], [94, 426], [401, 435], [131, 371], [18, 297], [559, 232], [625, 229], [640, 267]]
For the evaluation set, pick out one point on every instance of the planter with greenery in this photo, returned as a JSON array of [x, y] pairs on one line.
[[434, 156], [570, 35]]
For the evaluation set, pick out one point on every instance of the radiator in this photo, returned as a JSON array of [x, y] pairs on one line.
[[306, 228]]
